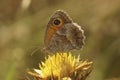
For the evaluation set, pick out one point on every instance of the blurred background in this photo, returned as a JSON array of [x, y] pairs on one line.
[[23, 24]]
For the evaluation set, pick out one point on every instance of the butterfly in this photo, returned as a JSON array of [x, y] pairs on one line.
[[62, 34]]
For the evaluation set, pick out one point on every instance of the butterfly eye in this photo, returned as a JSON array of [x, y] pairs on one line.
[[57, 22]]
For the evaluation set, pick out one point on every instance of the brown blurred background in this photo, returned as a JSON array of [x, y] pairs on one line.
[[22, 27]]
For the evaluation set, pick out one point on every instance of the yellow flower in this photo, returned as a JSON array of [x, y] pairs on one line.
[[62, 66]]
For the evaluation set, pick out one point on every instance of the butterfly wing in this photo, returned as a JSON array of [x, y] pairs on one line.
[[62, 35], [59, 43], [69, 37], [75, 35]]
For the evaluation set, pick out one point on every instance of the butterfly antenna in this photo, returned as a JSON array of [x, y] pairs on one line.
[[38, 48]]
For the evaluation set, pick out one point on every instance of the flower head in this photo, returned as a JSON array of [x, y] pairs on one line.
[[62, 66]]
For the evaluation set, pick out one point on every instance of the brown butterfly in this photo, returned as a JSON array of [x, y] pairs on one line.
[[62, 34]]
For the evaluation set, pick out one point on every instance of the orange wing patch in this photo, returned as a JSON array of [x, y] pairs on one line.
[[51, 31]]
